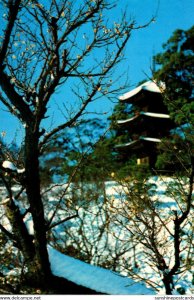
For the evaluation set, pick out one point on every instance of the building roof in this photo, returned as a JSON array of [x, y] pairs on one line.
[[128, 145], [141, 142], [122, 122], [155, 115], [150, 139], [142, 114], [149, 86]]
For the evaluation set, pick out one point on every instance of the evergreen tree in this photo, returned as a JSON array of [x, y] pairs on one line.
[[85, 147], [168, 249], [176, 70]]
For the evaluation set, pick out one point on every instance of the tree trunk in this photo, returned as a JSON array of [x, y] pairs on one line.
[[40, 266], [21, 237], [168, 283]]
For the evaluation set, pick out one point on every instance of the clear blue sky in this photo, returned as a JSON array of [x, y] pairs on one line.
[[144, 43], [171, 15]]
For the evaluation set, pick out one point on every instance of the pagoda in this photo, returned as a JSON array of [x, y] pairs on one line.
[[149, 124]]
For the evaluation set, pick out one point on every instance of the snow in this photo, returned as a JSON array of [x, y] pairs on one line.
[[5, 201], [96, 278], [127, 144], [155, 115], [128, 120], [150, 139], [9, 165], [29, 224], [20, 171], [116, 237], [150, 86], [149, 114]]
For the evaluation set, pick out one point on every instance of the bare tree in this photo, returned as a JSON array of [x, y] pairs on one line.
[[89, 236], [46, 46], [158, 217]]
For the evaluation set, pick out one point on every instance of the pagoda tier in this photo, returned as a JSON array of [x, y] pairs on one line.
[[149, 87], [154, 123], [144, 147], [147, 96], [142, 143], [150, 123]]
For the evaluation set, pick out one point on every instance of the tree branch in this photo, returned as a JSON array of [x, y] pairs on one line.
[[15, 98], [72, 120], [6, 232], [62, 221], [13, 12]]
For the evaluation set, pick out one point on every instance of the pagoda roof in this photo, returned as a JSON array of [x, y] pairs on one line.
[[128, 145], [139, 143], [150, 139], [148, 86], [155, 115], [122, 122], [144, 114]]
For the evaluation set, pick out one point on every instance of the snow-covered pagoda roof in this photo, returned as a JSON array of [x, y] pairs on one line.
[[150, 139], [148, 86], [129, 144], [141, 142], [146, 114]]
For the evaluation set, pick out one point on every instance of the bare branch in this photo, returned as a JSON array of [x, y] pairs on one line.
[[62, 221], [15, 98], [13, 7]]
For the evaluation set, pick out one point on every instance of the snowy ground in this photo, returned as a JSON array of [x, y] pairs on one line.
[[83, 232], [117, 241]]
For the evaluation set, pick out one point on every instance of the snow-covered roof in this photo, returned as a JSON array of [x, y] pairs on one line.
[[150, 86], [148, 114], [93, 277], [136, 142], [150, 139], [127, 144], [120, 122], [155, 115]]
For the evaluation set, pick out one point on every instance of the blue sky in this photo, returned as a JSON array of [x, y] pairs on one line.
[[144, 43], [170, 15]]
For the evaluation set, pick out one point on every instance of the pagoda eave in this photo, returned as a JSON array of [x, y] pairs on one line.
[[148, 88], [149, 122], [146, 115], [140, 143]]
